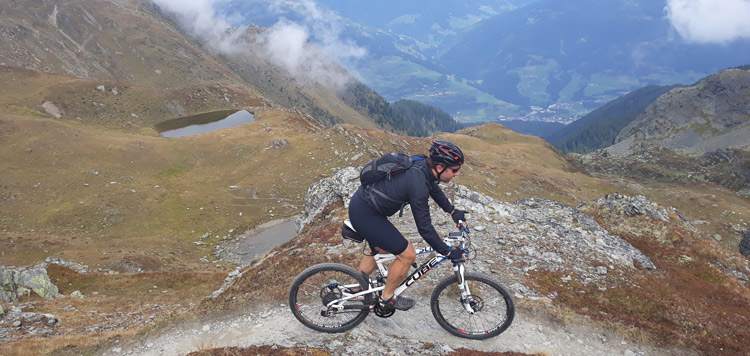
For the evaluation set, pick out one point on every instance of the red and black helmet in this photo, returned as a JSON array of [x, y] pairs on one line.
[[446, 153]]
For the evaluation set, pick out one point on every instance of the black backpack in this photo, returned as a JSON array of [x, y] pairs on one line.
[[386, 167]]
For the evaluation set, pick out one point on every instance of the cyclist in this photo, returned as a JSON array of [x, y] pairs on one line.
[[371, 206]]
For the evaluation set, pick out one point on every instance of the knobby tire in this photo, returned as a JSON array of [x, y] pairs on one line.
[[495, 308], [313, 286]]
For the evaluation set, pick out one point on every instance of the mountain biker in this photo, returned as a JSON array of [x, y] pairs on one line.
[[369, 212]]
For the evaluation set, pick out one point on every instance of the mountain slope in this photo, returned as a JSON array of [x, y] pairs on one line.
[[115, 41], [599, 128], [135, 44]]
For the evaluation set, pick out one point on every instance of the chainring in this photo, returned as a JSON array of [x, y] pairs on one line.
[[383, 312]]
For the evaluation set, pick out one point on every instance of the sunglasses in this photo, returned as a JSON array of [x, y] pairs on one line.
[[455, 170]]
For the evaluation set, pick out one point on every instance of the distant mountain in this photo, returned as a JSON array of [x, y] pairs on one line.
[[690, 134], [484, 60], [398, 65], [711, 115], [425, 118], [599, 128], [580, 53], [428, 21]]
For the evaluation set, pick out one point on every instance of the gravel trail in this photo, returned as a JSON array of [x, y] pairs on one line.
[[414, 332]]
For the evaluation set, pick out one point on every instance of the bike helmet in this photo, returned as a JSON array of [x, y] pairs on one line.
[[446, 153]]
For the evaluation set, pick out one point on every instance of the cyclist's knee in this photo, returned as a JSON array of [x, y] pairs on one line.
[[409, 255]]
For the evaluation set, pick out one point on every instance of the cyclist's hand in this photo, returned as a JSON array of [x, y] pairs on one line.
[[459, 215], [456, 255]]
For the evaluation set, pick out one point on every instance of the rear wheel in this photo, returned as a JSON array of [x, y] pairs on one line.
[[492, 305], [316, 287]]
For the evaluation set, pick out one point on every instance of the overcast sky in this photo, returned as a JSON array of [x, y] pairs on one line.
[[710, 21]]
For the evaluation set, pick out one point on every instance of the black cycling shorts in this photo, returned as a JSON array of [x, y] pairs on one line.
[[374, 227]]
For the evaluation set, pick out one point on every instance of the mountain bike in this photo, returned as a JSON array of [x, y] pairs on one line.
[[333, 297]]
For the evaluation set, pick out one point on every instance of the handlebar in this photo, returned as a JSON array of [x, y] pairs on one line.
[[460, 237]]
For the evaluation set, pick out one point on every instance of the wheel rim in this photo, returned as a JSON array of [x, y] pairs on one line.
[[491, 309], [317, 291]]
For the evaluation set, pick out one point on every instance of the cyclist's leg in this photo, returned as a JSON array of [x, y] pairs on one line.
[[367, 265], [398, 270], [384, 237]]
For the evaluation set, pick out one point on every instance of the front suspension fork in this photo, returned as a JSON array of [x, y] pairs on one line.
[[463, 286]]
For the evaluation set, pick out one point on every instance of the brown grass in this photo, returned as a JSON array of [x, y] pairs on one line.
[[114, 306], [685, 302]]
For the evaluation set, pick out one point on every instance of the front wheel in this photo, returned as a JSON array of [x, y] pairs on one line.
[[491, 306], [314, 294]]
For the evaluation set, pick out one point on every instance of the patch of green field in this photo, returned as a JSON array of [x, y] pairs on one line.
[[465, 102], [600, 85], [574, 85], [535, 79], [394, 72]]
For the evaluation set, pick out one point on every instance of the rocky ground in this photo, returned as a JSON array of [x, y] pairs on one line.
[[414, 332]]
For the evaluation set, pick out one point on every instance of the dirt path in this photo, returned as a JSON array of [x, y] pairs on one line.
[[407, 333]]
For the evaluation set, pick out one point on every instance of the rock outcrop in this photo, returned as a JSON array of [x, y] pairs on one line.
[[340, 187], [23, 281], [16, 282]]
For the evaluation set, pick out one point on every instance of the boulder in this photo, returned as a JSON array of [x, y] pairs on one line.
[[7, 285], [340, 187], [25, 280]]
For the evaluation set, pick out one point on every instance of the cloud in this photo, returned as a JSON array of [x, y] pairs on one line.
[[287, 43], [710, 21], [200, 20]]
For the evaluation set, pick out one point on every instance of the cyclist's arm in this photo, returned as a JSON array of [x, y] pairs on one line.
[[439, 197], [421, 211]]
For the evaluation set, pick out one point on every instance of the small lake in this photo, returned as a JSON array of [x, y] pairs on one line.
[[246, 247], [206, 122]]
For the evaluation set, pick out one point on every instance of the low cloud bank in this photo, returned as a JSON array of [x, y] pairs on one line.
[[287, 43]]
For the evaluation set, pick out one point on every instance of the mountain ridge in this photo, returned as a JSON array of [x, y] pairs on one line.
[[712, 114]]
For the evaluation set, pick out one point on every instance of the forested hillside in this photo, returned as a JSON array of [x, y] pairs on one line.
[[404, 116], [425, 119], [599, 128]]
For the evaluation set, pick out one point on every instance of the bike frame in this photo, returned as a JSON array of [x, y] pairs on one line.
[[381, 258]]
